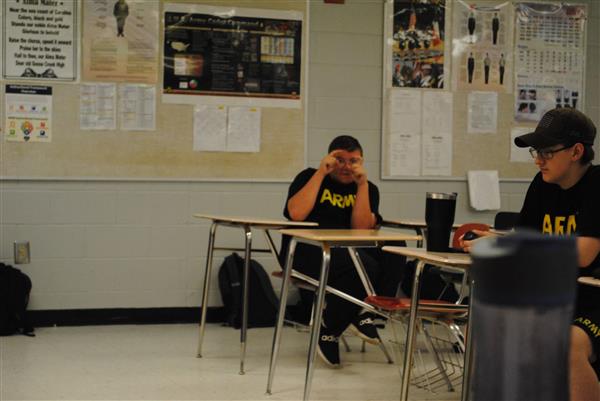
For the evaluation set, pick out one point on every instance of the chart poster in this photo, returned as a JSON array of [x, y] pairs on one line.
[[40, 40], [549, 58], [482, 46], [418, 44], [120, 41], [28, 113], [221, 55]]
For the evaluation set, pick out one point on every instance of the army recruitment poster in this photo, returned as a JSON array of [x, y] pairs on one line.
[[40, 40], [232, 56]]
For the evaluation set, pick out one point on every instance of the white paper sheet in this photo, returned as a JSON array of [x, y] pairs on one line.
[[98, 106], [137, 107], [405, 154], [405, 111], [243, 129], [483, 112], [484, 189], [437, 155], [437, 113], [210, 128], [519, 155]]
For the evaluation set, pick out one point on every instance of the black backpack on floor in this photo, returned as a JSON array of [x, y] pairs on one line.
[[15, 287], [262, 301]]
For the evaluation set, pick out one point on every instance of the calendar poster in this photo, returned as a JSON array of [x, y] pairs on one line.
[[549, 58]]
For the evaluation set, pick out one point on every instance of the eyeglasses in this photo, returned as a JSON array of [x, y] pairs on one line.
[[343, 162], [546, 154]]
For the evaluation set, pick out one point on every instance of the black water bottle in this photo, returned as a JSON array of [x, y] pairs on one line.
[[439, 217], [522, 304]]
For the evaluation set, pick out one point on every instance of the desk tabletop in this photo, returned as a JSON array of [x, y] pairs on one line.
[[349, 235], [255, 221], [589, 281], [411, 223], [437, 258]]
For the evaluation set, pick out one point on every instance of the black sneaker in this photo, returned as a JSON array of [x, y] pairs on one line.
[[364, 327], [329, 348]]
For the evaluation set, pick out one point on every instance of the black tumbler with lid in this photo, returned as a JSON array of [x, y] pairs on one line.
[[439, 217]]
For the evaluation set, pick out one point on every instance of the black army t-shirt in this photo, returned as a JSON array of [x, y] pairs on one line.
[[332, 209], [555, 211]]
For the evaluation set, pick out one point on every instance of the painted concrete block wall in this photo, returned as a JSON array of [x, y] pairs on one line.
[[136, 244]]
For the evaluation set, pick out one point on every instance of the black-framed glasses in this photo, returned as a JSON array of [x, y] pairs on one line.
[[546, 154]]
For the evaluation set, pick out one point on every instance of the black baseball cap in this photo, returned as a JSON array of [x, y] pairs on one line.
[[561, 126]]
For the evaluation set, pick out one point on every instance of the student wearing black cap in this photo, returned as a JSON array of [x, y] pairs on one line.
[[564, 199]]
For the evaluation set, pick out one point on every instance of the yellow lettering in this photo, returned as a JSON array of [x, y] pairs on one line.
[[571, 225], [587, 322], [547, 225], [326, 196], [579, 319], [594, 329], [559, 225], [338, 200], [349, 200]]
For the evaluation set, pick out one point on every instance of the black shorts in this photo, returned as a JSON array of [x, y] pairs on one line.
[[589, 321]]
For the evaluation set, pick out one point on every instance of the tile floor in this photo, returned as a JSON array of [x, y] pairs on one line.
[[158, 362]]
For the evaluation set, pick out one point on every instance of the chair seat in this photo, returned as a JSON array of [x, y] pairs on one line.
[[393, 304]]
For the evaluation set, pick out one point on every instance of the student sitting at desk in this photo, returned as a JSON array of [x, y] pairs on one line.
[[338, 195], [563, 199]]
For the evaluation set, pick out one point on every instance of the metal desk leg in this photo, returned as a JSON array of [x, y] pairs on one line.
[[287, 272], [209, 260], [466, 388], [317, 317], [244, 330], [410, 332]]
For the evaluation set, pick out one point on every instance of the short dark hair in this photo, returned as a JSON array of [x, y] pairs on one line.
[[345, 142]]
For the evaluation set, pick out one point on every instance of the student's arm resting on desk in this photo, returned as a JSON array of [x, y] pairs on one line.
[[302, 203]]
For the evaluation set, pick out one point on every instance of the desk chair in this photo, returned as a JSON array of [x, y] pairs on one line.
[[441, 336], [305, 282], [506, 220]]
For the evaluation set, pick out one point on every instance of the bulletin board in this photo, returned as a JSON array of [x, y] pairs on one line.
[[167, 151], [456, 64]]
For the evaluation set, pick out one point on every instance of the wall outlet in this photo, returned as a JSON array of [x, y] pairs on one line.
[[22, 253]]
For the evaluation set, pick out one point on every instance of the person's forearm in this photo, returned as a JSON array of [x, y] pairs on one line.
[[300, 205], [588, 249], [362, 217]]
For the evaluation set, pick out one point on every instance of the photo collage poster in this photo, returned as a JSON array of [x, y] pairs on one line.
[[549, 58], [482, 46], [418, 44]]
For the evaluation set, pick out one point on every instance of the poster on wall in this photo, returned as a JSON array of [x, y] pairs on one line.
[[232, 56], [482, 46], [120, 41], [418, 44], [39, 40], [549, 58], [28, 113]]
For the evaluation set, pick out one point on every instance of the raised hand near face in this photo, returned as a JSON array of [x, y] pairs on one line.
[[329, 162], [359, 173]]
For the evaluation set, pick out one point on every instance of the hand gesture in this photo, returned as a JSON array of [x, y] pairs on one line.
[[359, 172], [329, 162]]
